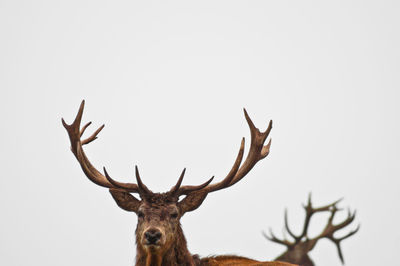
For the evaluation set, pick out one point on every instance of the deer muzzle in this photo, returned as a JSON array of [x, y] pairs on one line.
[[153, 237]]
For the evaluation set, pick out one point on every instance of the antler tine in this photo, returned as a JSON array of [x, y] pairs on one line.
[[226, 182], [93, 136], [220, 185], [330, 229], [186, 190], [350, 233], [175, 188], [296, 238], [310, 211], [126, 186], [84, 128], [142, 189], [337, 242], [339, 249], [75, 134], [328, 207], [257, 152], [257, 149], [273, 238]]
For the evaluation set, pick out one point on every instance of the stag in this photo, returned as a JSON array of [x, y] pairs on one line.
[[159, 236], [297, 250]]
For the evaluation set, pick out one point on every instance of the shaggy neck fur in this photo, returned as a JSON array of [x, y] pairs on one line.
[[176, 254]]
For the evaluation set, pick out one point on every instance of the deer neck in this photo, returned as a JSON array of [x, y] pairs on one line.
[[176, 254], [299, 254]]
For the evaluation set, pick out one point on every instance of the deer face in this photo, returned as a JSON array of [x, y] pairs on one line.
[[158, 216], [157, 225], [158, 222]]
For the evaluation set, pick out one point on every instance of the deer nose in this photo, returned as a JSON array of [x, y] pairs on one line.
[[152, 236]]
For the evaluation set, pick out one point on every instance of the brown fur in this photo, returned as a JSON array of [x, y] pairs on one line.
[[157, 211], [175, 254], [299, 254], [237, 260]]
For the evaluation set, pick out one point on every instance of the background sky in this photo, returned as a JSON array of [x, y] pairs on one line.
[[169, 80]]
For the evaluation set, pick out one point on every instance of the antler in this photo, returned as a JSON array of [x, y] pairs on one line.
[[257, 152], [328, 231], [310, 211], [75, 134]]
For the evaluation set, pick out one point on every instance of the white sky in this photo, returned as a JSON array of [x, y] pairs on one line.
[[169, 80]]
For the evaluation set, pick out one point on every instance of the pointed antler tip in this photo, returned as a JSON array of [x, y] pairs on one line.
[[208, 182], [265, 234], [246, 115], [106, 173], [309, 197], [137, 174], [82, 104]]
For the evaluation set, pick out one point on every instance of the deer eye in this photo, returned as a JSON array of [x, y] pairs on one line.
[[174, 215], [140, 214]]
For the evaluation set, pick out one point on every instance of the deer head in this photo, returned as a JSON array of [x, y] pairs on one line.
[[159, 235], [297, 250]]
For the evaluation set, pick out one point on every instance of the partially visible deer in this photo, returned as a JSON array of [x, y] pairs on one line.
[[297, 250], [159, 236]]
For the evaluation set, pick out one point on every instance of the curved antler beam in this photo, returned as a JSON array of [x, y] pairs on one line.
[[75, 134], [257, 152]]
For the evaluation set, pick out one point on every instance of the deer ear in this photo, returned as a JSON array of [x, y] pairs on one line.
[[191, 201], [125, 200]]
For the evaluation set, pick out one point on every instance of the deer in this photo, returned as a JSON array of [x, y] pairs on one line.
[[159, 235], [298, 249]]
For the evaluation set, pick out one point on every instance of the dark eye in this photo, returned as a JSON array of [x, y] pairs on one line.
[[140, 214], [174, 215]]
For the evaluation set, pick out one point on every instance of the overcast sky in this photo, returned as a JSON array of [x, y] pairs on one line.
[[169, 80]]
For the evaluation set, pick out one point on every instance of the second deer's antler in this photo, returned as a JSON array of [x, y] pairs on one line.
[[328, 231], [331, 228]]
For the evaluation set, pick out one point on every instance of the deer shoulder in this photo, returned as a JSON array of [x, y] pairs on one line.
[[237, 260]]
